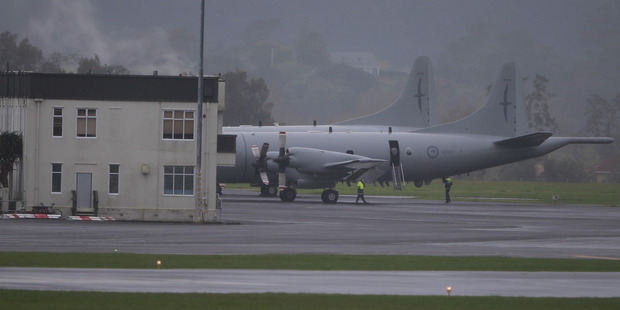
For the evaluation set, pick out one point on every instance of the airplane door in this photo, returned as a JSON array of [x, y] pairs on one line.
[[83, 190], [398, 177], [394, 153]]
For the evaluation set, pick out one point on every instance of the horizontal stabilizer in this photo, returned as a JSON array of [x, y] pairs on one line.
[[529, 140]]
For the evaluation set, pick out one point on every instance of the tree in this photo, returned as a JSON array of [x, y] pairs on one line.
[[94, 66], [537, 105], [603, 117], [246, 100], [26, 57], [19, 57], [311, 49], [11, 150]]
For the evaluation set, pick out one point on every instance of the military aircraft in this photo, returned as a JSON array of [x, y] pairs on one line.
[[384, 147]]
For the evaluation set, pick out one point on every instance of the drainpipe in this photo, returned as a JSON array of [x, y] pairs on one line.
[[36, 173]]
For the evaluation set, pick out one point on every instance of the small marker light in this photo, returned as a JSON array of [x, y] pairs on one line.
[[449, 290], [158, 264]]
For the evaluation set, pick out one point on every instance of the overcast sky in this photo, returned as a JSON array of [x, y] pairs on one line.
[[574, 43], [164, 33]]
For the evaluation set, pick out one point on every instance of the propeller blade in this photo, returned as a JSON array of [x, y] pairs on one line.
[[263, 176], [255, 151], [282, 138], [263, 151], [282, 180]]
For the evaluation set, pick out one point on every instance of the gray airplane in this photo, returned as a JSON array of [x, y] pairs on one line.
[[387, 150]]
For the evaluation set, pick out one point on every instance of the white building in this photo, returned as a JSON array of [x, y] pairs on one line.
[[361, 60], [111, 145]]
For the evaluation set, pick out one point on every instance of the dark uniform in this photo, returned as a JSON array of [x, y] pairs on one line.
[[447, 185]]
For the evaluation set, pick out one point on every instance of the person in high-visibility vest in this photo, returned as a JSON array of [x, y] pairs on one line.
[[447, 185], [360, 191]]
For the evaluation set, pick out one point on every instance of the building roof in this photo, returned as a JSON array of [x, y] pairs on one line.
[[106, 87], [609, 165]]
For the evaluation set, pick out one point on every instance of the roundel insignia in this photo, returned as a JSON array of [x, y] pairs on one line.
[[432, 151]]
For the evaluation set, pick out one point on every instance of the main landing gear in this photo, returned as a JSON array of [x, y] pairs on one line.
[[329, 196], [268, 190], [289, 194]]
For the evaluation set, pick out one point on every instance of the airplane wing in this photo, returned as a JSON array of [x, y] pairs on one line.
[[359, 169], [336, 166], [355, 164], [533, 139]]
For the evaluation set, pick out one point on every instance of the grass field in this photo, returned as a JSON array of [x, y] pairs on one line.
[[18, 300], [468, 190], [304, 262]]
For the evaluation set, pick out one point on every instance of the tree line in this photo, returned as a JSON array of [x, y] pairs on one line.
[[309, 81]]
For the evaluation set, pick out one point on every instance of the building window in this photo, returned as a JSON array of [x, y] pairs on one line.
[[178, 125], [179, 180], [114, 179], [57, 123], [86, 123], [56, 178]]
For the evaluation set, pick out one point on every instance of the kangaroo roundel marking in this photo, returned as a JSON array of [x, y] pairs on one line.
[[432, 151]]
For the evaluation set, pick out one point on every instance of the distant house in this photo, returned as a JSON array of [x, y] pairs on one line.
[[113, 145], [361, 60], [608, 171]]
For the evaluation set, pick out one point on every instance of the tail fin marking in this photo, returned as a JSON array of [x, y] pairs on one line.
[[420, 89], [502, 114]]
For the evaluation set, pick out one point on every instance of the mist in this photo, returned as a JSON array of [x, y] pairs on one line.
[[574, 43]]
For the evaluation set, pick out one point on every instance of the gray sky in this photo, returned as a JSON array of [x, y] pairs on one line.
[[164, 33], [574, 43]]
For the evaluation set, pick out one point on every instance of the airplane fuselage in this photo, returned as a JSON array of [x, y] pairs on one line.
[[423, 156]]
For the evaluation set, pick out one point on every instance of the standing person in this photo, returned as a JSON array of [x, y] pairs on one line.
[[447, 185], [360, 191]]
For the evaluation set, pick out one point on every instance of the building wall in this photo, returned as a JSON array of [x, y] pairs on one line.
[[128, 134]]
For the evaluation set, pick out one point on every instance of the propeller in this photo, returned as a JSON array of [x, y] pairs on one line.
[[261, 161], [282, 161]]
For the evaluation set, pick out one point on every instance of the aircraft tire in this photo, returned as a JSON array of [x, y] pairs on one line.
[[329, 196], [268, 190], [272, 191], [288, 194]]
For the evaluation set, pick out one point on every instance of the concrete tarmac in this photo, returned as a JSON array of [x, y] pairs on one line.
[[386, 226], [406, 226], [531, 284]]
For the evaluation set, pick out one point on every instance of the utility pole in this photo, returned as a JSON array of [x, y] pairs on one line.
[[199, 201]]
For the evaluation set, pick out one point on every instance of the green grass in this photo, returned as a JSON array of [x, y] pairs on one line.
[[20, 299], [17, 300], [468, 190], [304, 262]]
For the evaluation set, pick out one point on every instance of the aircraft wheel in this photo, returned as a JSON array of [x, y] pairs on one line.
[[268, 190], [272, 190], [329, 196], [288, 194]]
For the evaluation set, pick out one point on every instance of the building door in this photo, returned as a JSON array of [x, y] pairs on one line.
[[84, 190]]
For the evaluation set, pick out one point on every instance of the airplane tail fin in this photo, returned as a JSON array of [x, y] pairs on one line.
[[416, 106], [502, 114]]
